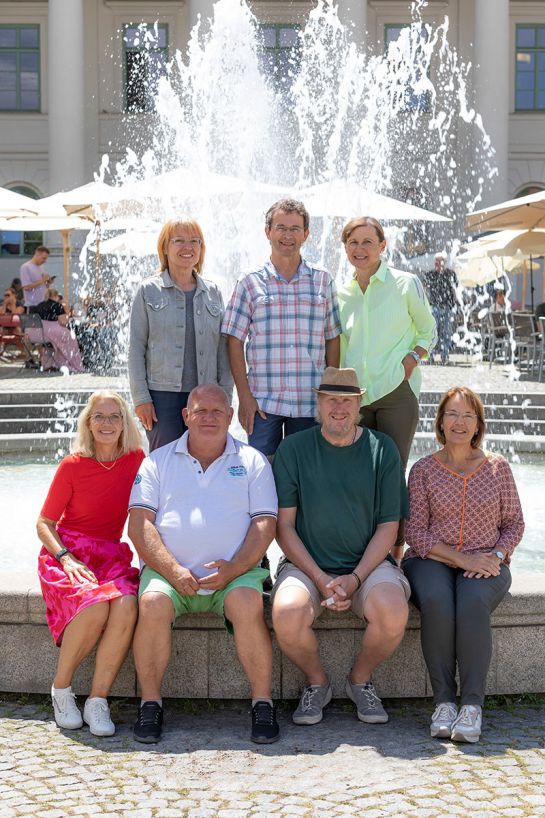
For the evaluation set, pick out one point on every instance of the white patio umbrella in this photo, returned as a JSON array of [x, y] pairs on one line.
[[340, 198], [63, 223], [524, 213], [517, 244], [15, 204], [135, 243], [476, 268], [87, 200]]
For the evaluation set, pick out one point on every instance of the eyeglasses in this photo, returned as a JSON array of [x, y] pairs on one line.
[[365, 245], [186, 242], [115, 418], [467, 417], [281, 228]]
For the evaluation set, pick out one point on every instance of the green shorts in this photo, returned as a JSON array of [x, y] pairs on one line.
[[150, 580]]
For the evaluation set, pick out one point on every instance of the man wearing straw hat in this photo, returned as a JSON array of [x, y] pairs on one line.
[[341, 493]]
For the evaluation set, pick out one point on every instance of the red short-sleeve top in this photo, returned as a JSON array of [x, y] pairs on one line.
[[86, 497]]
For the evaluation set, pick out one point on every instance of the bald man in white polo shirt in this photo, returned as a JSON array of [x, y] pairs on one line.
[[202, 514]]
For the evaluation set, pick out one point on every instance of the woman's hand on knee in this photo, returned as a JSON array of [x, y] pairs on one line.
[[75, 570]]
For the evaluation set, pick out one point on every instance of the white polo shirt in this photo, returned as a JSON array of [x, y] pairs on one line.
[[204, 516]]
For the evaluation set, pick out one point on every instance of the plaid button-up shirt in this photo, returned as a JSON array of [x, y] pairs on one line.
[[286, 324]]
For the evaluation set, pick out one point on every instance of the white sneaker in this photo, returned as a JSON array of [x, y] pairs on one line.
[[96, 714], [66, 711], [442, 720], [467, 726]]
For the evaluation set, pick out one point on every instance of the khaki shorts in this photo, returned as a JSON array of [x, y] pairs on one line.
[[291, 577]]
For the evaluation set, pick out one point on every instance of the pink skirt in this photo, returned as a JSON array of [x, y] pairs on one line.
[[110, 562]]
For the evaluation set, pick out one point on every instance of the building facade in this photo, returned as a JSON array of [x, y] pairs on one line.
[[71, 71]]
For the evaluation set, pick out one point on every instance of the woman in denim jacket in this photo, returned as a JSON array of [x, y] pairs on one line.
[[175, 334]]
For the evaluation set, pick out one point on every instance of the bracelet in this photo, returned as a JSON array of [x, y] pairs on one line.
[[61, 553], [353, 574], [414, 354]]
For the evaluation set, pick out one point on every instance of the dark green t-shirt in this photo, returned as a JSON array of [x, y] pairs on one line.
[[342, 493]]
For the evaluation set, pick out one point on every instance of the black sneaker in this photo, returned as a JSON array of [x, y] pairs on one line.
[[265, 728], [149, 724]]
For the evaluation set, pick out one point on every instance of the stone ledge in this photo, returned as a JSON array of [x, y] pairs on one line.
[[204, 663]]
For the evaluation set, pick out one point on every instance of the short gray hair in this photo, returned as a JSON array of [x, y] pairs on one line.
[[287, 206]]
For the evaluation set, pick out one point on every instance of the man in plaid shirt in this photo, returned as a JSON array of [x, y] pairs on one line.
[[287, 311]]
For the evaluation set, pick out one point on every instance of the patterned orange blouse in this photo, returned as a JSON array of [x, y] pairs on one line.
[[479, 512]]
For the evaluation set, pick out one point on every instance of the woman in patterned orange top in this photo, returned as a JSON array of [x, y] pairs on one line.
[[465, 521]]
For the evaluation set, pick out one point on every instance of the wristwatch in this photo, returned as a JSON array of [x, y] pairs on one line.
[[415, 355], [500, 555]]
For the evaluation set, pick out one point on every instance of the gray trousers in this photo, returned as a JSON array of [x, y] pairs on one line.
[[455, 626], [396, 415]]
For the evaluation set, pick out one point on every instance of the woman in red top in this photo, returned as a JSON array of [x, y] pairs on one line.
[[465, 521], [88, 583]]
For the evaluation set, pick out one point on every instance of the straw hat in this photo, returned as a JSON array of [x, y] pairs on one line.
[[343, 382]]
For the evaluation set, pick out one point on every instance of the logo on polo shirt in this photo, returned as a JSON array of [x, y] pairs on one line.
[[237, 471], [137, 479]]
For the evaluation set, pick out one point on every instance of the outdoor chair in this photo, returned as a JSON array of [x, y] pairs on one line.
[[541, 352], [525, 339], [34, 333], [9, 324], [497, 333]]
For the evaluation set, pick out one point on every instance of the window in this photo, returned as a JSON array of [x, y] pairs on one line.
[[15, 242], [145, 57], [530, 68], [414, 101], [19, 68], [281, 54]]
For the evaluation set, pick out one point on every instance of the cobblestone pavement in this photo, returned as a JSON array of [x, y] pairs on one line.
[[462, 371], [206, 767]]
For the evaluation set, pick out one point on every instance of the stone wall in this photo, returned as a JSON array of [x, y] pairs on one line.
[[204, 663]]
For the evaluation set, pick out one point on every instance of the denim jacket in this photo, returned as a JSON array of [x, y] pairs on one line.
[[157, 337]]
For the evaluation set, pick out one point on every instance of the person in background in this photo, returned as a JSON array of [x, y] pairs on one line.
[[175, 340], [18, 287], [465, 522], [388, 329], [34, 280], [65, 351], [441, 283], [499, 301], [88, 582]]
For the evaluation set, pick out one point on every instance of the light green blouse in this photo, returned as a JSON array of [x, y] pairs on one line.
[[381, 326]]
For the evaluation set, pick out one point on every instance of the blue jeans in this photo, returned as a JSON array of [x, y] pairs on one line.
[[444, 320], [268, 434], [170, 423]]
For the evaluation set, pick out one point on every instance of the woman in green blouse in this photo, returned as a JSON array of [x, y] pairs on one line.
[[388, 328]]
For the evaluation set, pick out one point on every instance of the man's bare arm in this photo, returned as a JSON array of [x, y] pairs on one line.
[[153, 552], [247, 404], [333, 351]]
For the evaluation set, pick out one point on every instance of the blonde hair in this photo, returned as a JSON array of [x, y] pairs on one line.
[[52, 293], [166, 234], [84, 442], [476, 404]]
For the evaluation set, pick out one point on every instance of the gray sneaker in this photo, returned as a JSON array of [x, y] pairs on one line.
[[468, 723], [313, 700], [368, 704]]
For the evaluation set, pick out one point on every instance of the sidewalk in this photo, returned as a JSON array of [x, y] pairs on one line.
[[207, 767], [462, 371]]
